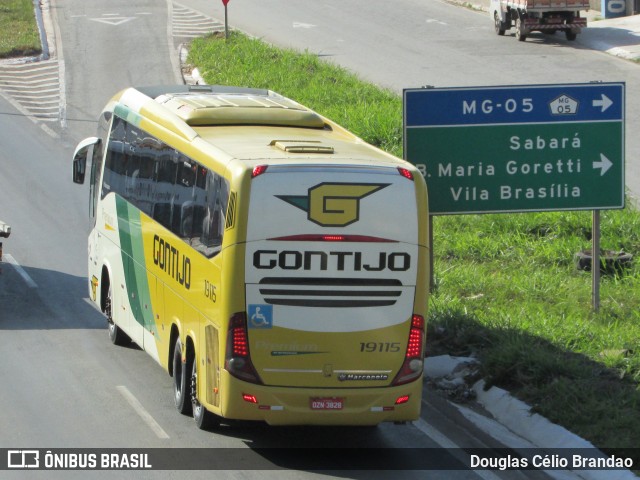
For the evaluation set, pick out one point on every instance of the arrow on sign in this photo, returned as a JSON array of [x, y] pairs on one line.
[[604, 164], [604, 102]]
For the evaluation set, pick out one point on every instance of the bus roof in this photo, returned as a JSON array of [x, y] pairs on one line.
[[213, 105], [287, 144], [258, 124]]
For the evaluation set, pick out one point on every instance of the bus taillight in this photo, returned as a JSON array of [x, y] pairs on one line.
[[406, 173], [247, 397], [237, 359], [413, 360], [258, 170]]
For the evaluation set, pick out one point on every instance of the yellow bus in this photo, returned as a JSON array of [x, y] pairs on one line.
[[274, 264]]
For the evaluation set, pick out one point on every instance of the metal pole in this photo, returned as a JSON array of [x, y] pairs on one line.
[[226, 24], [431, 276], [595, 261]]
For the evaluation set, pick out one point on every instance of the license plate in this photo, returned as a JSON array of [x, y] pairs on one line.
[[327, 403]]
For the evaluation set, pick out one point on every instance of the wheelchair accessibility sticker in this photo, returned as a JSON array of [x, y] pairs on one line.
[[260, 316]]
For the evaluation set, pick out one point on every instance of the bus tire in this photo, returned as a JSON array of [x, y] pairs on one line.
[[180, 376], [116, 335], [520, 35], [498, 24], [205, 420]]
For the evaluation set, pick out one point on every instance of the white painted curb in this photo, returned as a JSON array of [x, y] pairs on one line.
[[515, 416]]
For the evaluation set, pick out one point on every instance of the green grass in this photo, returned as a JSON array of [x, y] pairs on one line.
[[507, 290], [19, 35], [506, 286]]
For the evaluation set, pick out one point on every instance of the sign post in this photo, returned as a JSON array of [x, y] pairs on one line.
[[526, 148], [595, 261], [226, 20]]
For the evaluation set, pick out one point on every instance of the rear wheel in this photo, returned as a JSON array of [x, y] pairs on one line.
[[571, 35], [520, 35], [116, 335], [180, 376], [204, 419], [499, 25]]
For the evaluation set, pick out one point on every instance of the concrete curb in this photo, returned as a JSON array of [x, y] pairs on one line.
[[38, 6], [534, 430]]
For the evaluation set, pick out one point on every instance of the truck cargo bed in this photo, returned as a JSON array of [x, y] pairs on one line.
[[548, 4]]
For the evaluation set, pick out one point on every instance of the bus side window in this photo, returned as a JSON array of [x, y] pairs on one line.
[[199, 200], [216, 207], [96, 164], [180, 194], [182, 218], [165, 171], [112, 180]]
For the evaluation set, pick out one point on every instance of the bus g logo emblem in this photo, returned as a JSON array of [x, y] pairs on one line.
[[333, 204]]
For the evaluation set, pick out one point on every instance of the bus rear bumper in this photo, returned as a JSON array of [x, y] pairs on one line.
[[308, 406]]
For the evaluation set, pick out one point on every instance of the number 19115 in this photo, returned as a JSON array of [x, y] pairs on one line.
[[379, 347]]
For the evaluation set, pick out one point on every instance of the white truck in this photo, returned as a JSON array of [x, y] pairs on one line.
[[547, 16]]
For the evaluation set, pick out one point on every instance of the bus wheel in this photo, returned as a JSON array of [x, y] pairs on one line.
[[205, 420], [180, 396], [116, 335]]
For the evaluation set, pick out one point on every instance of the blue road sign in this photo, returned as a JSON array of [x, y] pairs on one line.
[[518, 148], [514, 104]]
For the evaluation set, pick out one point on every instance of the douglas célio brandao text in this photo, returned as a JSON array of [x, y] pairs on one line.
[[550, 461]]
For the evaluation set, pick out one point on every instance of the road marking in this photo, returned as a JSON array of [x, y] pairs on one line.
[[114, 21], [175, 53], [52, 28], [35, 87], [140, 410], [303, 25], [188, 23], [445, 442], [25, 276]]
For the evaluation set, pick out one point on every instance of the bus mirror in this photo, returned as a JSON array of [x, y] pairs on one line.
[[80, 158], [79, 167]]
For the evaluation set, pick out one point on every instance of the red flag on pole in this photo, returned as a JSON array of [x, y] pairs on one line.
[[224, 2]]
